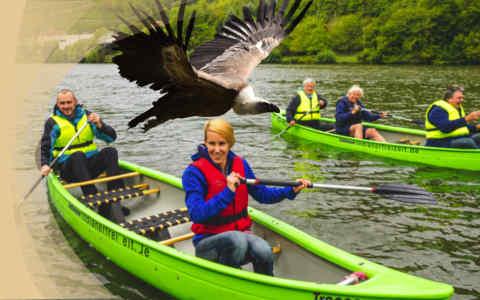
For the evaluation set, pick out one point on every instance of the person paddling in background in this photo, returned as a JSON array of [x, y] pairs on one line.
[[81, 161], [350, 112], [217, 202], [447, 124], [305, 106]]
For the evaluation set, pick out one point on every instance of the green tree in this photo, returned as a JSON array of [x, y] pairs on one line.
[[346, 34]]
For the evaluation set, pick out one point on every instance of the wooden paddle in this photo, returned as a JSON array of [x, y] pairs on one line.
[[55, 160], [399, 192]]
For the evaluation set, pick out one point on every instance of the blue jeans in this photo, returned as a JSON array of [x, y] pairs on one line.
[[236, 248], [472, 142]]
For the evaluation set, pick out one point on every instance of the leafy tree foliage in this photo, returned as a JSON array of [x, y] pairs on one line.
[[372, 31]]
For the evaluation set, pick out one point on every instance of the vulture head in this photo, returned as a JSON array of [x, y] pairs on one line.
[[215, 77]]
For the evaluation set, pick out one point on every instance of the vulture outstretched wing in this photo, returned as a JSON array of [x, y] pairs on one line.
[[240, 45], [158, 59]]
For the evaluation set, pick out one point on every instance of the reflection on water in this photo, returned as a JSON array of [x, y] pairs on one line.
[[437, 242]]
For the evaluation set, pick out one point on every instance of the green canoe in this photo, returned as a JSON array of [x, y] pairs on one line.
[[305, 267], [395, 147]]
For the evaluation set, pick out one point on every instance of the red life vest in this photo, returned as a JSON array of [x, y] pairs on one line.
[[235, 215]]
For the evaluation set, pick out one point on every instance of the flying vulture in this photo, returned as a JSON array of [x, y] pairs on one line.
[[215, 78]]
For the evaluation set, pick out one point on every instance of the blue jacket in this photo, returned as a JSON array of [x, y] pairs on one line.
[[344, 117], [51, 132], [195, 186], [439, 117]]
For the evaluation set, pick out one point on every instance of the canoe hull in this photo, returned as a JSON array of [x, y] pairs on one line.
[[463, 159], [172, 271]]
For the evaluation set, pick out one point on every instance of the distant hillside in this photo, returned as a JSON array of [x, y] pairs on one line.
[[366, 31]]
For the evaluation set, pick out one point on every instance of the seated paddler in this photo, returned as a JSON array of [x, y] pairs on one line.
[[305, 106], [349, 114], [448, 126], [217, 202], [82, 160]]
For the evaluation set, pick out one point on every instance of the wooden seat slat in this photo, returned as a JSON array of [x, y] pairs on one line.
[[100, 180]]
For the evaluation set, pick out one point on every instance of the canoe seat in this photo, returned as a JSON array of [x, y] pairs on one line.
[[110, 196], [159, 222], [409, 142], [177, 239], [100, 180]]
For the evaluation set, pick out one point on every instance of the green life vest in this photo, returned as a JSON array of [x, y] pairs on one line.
[[453, 114], [308, 109], [84, 141]]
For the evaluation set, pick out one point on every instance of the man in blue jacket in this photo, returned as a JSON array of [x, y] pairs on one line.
[[447, 124], [349, 114], [82, 160]]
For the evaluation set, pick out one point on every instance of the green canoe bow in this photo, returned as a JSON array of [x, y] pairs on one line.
[[176, 271], [463, 159]]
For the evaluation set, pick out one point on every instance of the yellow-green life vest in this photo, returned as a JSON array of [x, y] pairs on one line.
[[453, 114], [308, 109], [84, 142]]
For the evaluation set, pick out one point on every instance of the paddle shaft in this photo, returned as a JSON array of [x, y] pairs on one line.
[[56, 159], [313, 185], [288, 127], [418, 122], [398, 192]]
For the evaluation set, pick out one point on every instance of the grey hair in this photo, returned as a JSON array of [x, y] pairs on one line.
[[308, 80], [355, 88], [66, 91]]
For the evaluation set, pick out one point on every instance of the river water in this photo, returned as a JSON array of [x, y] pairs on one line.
[[438, 242]]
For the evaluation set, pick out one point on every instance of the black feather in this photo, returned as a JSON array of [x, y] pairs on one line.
[[164, 17], [247, 15], [282, 9], [188, 33], [181, 15], [297, 20], [144, 22], [261, 13], [271, 10], [130, 26], [153, 23], [232, 24], [291, 12]]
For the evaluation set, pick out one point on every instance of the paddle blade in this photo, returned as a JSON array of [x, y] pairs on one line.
[[405, 193]]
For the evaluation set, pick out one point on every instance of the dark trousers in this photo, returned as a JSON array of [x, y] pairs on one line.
[[318, 125], [80, 168]]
